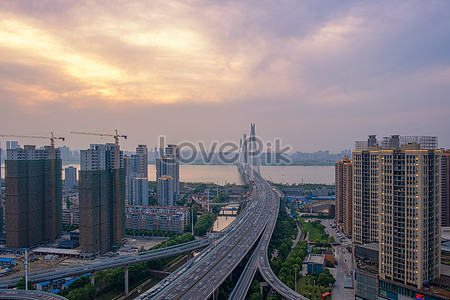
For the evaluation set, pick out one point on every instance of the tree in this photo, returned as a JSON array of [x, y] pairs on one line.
[[325, 278], [21, 284], [152, 200]]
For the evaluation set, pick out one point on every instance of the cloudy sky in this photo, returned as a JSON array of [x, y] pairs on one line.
[[317, 74]]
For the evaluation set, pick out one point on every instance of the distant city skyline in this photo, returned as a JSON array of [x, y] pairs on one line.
[[316, 75]]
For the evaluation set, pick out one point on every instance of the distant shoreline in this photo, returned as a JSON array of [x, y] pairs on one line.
[[296, 164]]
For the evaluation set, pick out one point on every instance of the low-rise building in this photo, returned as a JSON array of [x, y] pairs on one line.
[[164, 218], [71, 217], [316, 264], [7, 262]]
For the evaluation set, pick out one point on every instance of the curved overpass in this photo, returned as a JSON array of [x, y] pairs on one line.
[[27, 295]]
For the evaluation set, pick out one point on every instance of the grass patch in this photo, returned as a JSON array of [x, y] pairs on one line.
[[314, 232]]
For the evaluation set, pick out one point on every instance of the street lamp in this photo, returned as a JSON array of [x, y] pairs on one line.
[[295, 279], [26, 269]]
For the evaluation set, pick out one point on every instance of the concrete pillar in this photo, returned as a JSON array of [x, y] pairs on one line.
[[126, 280], [261, 286], [93, 278], [51, 286]]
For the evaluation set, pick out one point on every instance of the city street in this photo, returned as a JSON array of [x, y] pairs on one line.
[[344, 259]]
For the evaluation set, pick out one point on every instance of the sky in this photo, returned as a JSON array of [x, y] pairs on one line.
[[316, 74]]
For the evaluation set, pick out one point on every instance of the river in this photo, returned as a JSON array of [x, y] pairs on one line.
[[230, 174]]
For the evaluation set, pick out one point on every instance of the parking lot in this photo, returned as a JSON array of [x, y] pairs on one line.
[[344, 266]]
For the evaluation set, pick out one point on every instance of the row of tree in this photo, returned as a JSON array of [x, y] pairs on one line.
[[203, 224], [113, 279]]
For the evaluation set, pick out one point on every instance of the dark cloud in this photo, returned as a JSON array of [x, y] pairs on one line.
[[318, 75]]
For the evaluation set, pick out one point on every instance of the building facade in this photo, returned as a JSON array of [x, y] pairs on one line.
[[445, 189], [33, 198], [344, 191], [365, 197], [71, 217], [101, 198]]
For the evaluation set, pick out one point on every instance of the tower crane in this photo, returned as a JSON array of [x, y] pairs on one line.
[[116, 137], [52, 139]]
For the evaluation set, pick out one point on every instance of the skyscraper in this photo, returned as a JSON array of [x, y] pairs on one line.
[[445, 189], [142, 160], [33, 210], [137, 190], [344, 188], [396, 194], [136, 170], [173, 152], [70, 178], [101, 198], [168, 166]]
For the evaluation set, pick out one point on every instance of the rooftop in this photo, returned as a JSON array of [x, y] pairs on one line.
[[316, 259], [6, 259], [57, 251], [445, 233]]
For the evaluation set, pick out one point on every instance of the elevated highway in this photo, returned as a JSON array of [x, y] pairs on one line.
[[215, 264], [106, 263], [260, 260], [200, 279], [29, 295]]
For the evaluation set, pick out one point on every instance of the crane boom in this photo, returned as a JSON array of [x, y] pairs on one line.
[[52, 138]]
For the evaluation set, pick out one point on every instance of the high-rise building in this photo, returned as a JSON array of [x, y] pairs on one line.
[[344, 188], [396, 203], [172, 151], [136, 170], [409, 215], [101, 198], [33, 208], [165, 186], [168, 166], [142, 160], [66, 154], [137, 190], [445, 189], [70, 178]]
